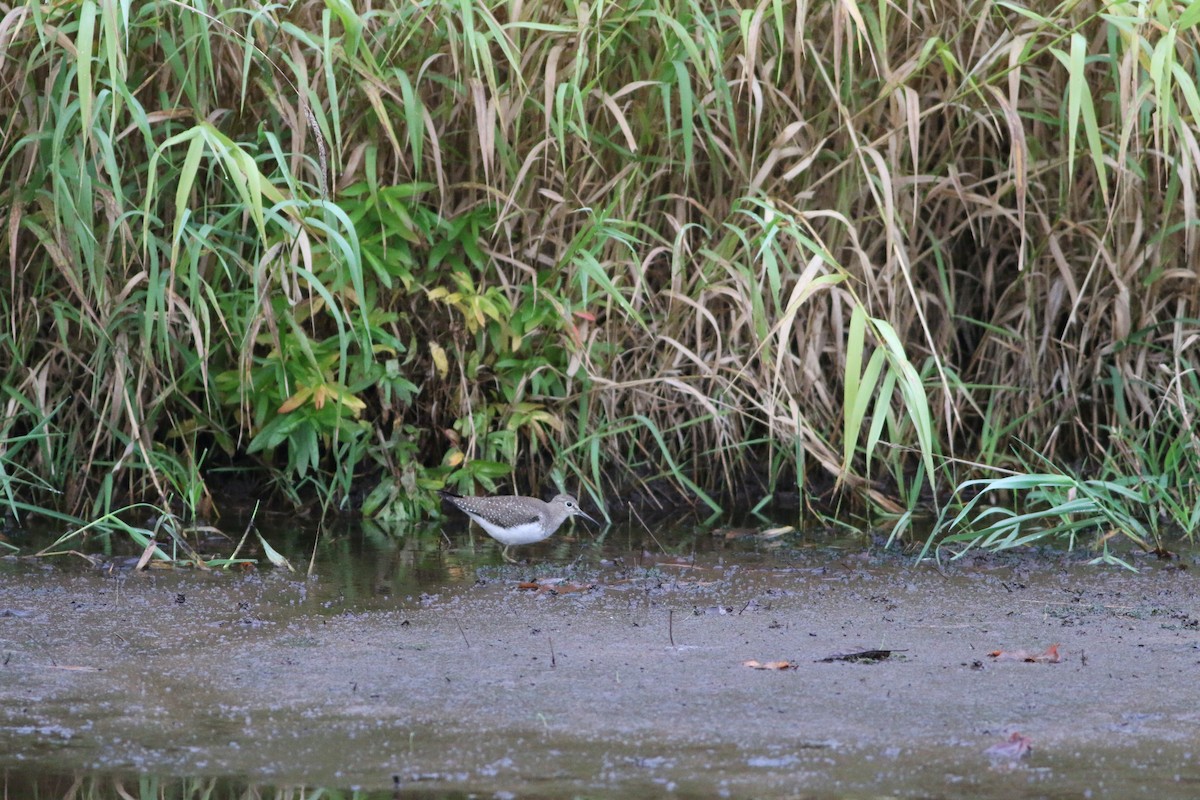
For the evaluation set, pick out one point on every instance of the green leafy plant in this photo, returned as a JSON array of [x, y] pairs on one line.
[[1061, 508]]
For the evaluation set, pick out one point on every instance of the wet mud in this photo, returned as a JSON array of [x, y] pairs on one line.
[[615, 675]]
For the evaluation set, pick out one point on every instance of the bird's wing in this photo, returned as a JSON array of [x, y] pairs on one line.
[[506, 515], [515, 518]]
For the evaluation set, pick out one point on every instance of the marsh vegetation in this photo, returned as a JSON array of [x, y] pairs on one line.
[[859, 254]]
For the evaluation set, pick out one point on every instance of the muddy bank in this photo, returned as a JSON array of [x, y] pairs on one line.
[[635, 686]]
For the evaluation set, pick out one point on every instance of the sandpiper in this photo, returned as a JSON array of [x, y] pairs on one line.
[[513, 519]]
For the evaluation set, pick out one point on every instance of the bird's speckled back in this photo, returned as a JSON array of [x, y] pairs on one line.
[[507, 511]]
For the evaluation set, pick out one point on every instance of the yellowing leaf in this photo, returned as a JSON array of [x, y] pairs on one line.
[[296, 400], [320, 396], [439, 359], [351, 402]]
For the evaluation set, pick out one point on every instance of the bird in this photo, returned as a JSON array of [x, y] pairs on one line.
[[513, 519]]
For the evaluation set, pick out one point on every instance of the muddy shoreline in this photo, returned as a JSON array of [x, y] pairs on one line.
[[635, 686]]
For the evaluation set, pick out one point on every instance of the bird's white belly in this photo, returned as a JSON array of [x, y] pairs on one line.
[[526, 533]]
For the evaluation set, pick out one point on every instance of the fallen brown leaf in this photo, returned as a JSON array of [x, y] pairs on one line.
[[734, 533], [1016, 747], [752, 664], [1050, 656], [679, 562], [720, 611], [554, 586], [567, 588], [862, 655], [746, 533]]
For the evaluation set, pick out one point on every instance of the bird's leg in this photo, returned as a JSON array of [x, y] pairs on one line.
[[506, 556]]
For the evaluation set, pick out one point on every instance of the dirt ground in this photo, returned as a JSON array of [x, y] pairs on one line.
[[634, 687]]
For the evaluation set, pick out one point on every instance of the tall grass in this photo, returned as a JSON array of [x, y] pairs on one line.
[[734, 250]]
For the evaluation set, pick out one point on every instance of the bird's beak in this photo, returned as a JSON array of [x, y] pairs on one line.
[[579, 513]]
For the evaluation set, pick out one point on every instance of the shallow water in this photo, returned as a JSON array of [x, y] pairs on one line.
[[607, 665], [1119, 774]]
